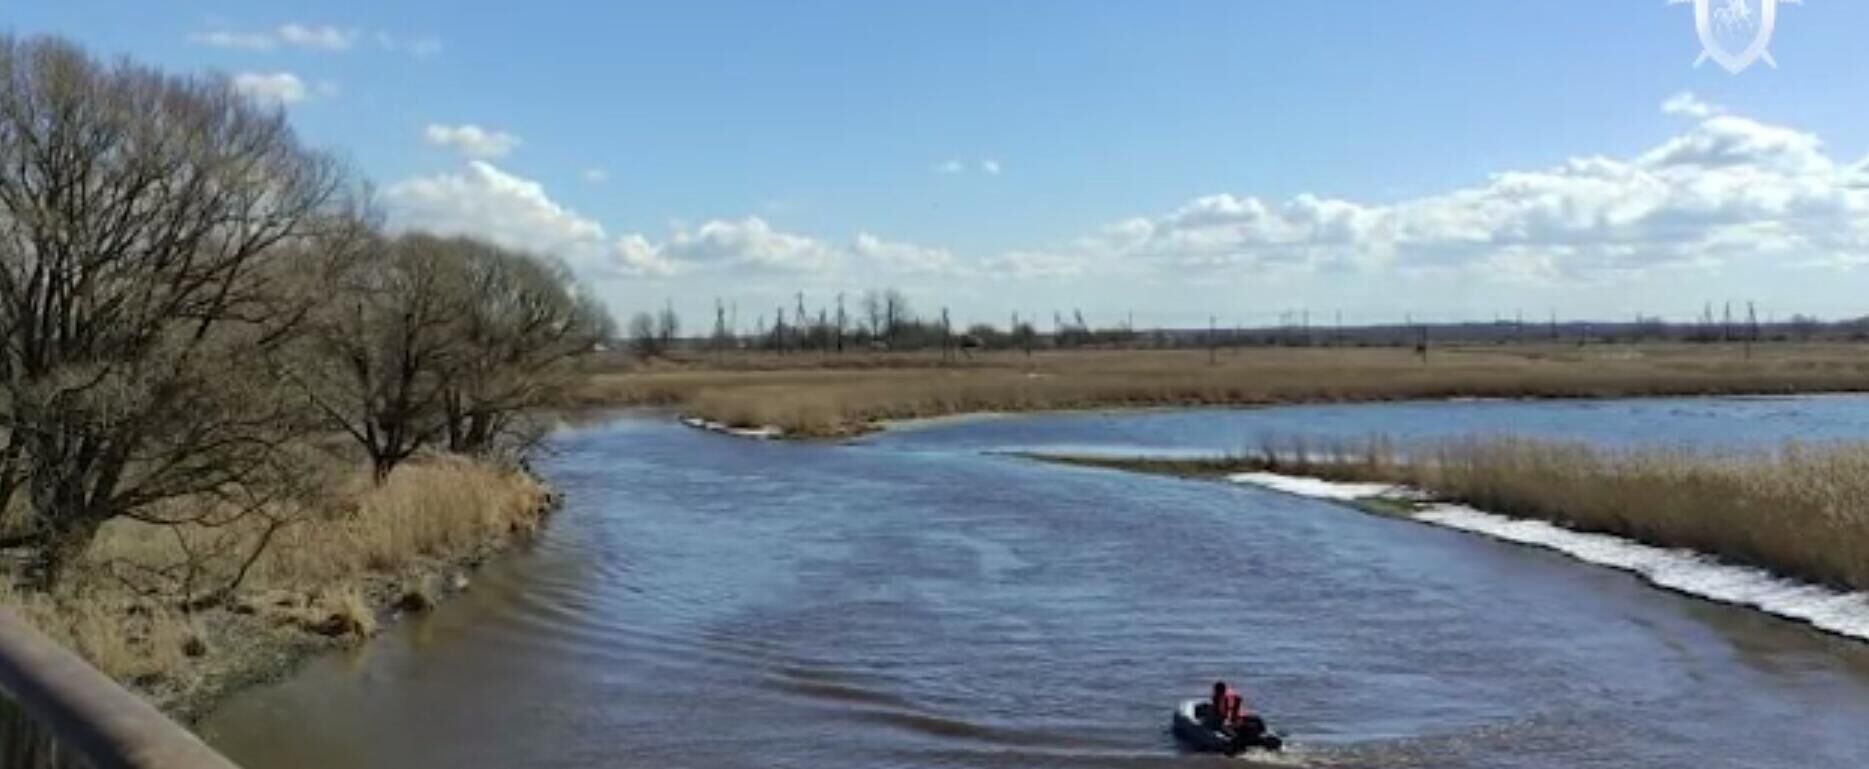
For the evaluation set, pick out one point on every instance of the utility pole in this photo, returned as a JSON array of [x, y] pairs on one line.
[[720, 329], [778, 329], [1752, 327], [842, 321], [802, 319], [1726, 323], [947, 336], [1212, 351]]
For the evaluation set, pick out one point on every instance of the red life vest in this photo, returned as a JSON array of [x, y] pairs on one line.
[[1227, 706]]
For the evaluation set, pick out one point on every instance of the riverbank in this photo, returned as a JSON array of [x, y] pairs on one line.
[[333, 571], [1800, 512], [834, 396]]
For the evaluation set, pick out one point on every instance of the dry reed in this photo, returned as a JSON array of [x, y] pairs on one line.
[[1800, 511], [326, 577], [827, 396]]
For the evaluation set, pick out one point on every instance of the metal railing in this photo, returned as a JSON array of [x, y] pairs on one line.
[[58, 712]]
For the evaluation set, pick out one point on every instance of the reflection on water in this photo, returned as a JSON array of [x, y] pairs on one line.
[[912, 602]]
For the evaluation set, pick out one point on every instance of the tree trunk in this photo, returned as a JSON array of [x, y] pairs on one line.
[[62, 549]]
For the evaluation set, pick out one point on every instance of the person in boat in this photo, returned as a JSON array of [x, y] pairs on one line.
[[1227, 710], [1224, 709]]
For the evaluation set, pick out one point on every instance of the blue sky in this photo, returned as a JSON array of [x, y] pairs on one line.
[[1171, 159]]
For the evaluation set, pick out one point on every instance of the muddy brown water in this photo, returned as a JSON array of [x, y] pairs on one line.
[[912, 601]]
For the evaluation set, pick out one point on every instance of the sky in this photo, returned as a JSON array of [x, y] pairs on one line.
[[1167, 161]]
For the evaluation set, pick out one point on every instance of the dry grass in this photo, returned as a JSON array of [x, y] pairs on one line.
[[443, 508], [1799, 511], [326, 578], [827, 396]]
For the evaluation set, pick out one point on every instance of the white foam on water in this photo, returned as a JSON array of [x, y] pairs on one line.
[[759, 433], [1685, 571], [1315, 488]]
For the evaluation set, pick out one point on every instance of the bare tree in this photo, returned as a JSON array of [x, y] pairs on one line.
[[667, 326], [144, 219], [526, 321], [895, 311], [644, 336], [873, 313], [377, 361]]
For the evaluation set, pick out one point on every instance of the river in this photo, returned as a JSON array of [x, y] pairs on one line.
[[914, 600]]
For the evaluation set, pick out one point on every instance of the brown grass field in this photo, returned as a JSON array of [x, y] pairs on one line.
[[1800, 511], [821, 396]]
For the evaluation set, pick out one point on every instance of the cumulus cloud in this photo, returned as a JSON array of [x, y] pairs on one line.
[[1689, 105], [312, 37], [489, 202], [748, 243], [595, 175], [486, 201], [1729, 187], [275, 87], [950, 167], [989, 167], [902, 257], [471, 140]]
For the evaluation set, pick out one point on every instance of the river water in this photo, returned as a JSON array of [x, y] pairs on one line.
[[914, 600]]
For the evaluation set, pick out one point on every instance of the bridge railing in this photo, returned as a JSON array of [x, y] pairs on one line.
[[58, 712]]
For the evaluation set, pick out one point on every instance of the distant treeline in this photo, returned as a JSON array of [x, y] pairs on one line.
[[881, 320], [191, 300]]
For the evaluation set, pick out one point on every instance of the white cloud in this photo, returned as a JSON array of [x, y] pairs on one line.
[[595, 175], [419, 47], [989, 167], [271, 87], [471, 140], [950, 167], [1729, 188], [314, 37], [486, 201], [221, 38], [1688, 105], [902, 257], [748, 243], [323, 37], [1026, 265]]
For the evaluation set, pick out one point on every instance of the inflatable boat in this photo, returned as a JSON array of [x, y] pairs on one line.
[[1193, 730]]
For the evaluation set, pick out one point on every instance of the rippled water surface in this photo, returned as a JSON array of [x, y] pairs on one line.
[[912, 601]]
